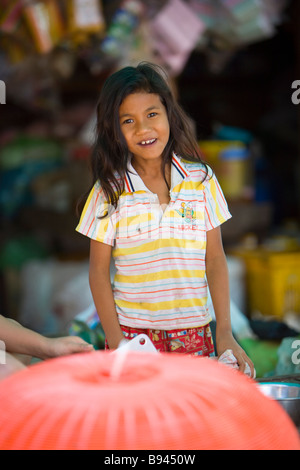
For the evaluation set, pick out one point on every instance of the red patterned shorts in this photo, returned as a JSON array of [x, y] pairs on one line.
[[194, 341]]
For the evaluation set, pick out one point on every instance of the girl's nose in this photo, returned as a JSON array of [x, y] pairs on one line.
[[142, 127]]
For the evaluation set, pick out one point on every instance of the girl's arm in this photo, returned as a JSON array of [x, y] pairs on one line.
[[99, 276], [218, 282]]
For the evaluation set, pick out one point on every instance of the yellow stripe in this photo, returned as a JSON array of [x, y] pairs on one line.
[[160, 275], [191, 185], [102, 229], [213, 190], [168, 305], [86, 205], [188, 185], [161, 243]]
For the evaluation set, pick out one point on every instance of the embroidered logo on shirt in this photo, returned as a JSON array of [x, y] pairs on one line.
[[188, 216], [187, 213]]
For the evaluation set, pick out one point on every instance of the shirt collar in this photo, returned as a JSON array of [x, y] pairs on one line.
[[133, 182]]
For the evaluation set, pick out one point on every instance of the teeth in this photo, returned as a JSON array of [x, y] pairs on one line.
[[144, 142]]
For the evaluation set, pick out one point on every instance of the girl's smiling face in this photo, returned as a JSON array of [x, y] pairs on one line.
[[144, 124]]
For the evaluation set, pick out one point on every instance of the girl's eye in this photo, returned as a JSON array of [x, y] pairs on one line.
[[128, 121], [152, 114]]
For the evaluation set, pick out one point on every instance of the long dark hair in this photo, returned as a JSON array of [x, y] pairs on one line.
[[110, 153]]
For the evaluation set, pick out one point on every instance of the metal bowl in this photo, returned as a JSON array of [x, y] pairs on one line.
[[287, 395]]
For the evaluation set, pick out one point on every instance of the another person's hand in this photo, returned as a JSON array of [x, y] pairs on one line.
[[66, 345]]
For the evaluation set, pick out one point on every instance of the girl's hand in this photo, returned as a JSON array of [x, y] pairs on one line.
[[226, 341]]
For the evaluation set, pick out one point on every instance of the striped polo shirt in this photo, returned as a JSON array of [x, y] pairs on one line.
[[159, 254]]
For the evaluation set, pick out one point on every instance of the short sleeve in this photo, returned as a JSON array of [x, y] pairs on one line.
[[90, 223], [216, 208]]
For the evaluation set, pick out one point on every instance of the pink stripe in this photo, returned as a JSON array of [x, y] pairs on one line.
[[168, 260], [155, 299], [155, 292], [92, 210], [183, 322], [221, 193], [197, 171], [208, 218]]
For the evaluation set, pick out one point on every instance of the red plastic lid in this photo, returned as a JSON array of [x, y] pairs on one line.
[[158, 401]]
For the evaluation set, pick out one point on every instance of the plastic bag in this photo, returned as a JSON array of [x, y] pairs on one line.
[[87, 326]]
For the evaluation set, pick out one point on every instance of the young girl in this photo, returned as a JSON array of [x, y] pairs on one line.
[[156, 208]]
